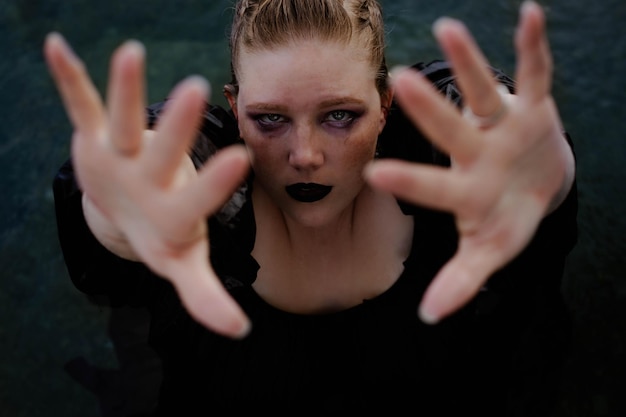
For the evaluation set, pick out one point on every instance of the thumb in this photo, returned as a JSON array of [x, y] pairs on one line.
[[204, 296], [456, 284]]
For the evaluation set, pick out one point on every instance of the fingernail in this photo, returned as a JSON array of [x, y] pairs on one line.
[[54, 37], [369, 175], [427, 317], [136, 47], [376, 173], [440, 23], [244, 331], [62, 44], [202, 82], [369, 169], [503, 90], [527, 6], [397, 70], [194, 82]]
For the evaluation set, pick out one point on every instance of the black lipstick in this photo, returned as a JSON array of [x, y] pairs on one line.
[[309, 192]]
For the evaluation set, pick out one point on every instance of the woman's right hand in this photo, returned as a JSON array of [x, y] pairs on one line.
[[141, 192]]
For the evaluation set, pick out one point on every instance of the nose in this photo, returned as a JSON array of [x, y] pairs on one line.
[[306, 149]]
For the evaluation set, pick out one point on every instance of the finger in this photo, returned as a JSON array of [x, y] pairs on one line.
[[205, 298], [80, 97], [455, 285], [534, 68], [125, 98], [429, 186], [470, 66], [217, 181], [177, 129], [438, 119], [478, 257]]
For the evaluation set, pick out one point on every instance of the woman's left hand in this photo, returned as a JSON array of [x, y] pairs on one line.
[[507, 172]]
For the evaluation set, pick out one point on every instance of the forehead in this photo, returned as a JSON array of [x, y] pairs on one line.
[[306, 68]]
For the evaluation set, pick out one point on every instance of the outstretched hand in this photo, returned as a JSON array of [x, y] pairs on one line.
[[506, 175], [139, 186]]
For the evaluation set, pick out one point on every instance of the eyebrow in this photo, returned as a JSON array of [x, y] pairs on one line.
[[341, 100], [266, 107], [277, 108]]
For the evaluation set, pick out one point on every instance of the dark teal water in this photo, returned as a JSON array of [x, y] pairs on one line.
[[45, 322]]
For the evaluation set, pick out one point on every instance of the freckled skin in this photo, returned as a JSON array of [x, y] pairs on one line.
[[310, 112], [309, 144]]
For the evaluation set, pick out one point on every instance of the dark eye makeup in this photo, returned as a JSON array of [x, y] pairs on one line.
[[339, 119], [268, 121]]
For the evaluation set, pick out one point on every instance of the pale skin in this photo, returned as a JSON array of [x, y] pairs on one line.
[[144, 201], [305, 121]]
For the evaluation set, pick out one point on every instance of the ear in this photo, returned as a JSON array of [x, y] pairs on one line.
[[385, 104], [231, 95]]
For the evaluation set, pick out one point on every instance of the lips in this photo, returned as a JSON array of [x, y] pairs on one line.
[[309, 192]]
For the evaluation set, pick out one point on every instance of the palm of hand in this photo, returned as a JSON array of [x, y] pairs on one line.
[[504, 178], [140, 188], [502, 181]]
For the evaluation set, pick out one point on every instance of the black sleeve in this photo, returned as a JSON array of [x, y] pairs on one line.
[[517, 329]]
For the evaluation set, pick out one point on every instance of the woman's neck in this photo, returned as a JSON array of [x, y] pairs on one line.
[[300, 239], [358, 255], [329, 237]]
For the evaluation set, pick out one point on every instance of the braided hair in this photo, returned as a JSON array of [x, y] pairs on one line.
[[266, 24]]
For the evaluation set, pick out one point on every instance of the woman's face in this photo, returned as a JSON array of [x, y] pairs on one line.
[[310, 115]]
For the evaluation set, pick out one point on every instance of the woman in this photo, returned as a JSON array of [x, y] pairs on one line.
[[320, 257]]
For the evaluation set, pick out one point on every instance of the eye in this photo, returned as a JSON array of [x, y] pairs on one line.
[[269, 121], [271, 118], [339, 115], [341, 118]]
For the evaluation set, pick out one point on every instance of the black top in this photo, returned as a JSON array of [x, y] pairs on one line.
[[501, 351]]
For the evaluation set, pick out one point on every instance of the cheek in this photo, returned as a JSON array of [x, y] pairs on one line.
[[264, 159], [360, 154], [363, 146], [258, 146], [266, 155]]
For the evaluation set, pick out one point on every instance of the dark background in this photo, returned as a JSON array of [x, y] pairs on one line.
[[48, 329]]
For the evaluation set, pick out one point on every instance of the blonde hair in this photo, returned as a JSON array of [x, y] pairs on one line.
[[266, 24]]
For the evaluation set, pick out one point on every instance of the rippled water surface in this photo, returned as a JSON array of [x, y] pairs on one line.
[[45, 323]]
